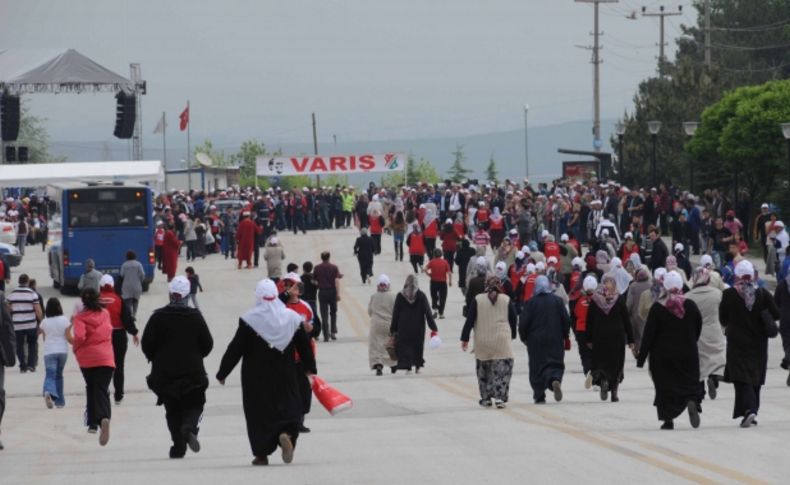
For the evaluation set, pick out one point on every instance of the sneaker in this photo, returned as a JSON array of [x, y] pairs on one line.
[[500, 404], [485, 403], [334, 336], [588, 379], [555, 386], [712, 391], [441, 317], [748, 420], [104, 436], [693, 414], [48, 400], [92, 429], [604, 390], [287, 447], [118, 401], [540, 401], [260, 461], [379, 372], [22, 370], [31, 369], [668, 424], [304, 429]]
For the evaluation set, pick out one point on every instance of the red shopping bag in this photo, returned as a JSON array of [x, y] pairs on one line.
[[333, 400]]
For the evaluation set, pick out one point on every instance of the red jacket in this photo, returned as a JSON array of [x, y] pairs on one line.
[[93, 339], [529, 287], [450, 241], [376, 224], [416, 244], [431, 230], [580, 312], [113, 304]]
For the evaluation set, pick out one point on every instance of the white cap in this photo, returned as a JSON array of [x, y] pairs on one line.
[[764, 206], [540, 266], [448, 221], [481, 261], [106, 280], [273, 240], [679, 247], [179, 286], [525, 249], [659, 273], [744, 268], [577, 261], [384, 280], [265, 290], [502, 266], [605, 232], [779, 224], [673, 281], [292, 277], [513, 231], [544, 233], [706, 260], [617, 262], [629, 235], [530, 268], [552, 260], [589, 283], [520, 255], [564, 238]]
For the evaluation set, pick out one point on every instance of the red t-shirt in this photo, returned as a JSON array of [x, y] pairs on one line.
[[438, 268], [303, 308]]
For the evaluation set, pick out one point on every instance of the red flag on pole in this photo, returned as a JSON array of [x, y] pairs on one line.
[[184, 117]]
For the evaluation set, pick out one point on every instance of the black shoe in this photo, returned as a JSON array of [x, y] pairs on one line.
[[177, 452], [748, 420], [31, 369], [614, 397], [192, 441], [379, 371], [784, 365], [604, 390], [393, 370], [333, 336], [555, 386], [668, 424], [540, 401], [712, 385], [303, 429], [788, 379], [693, 414], [485, 403]]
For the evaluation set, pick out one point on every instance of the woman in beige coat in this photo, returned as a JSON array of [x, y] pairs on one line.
[[380, 311], [493, 319], [274, 256]]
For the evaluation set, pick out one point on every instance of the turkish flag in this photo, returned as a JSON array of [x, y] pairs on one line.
[[184, 117]]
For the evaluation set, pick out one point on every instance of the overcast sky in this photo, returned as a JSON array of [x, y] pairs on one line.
[[370, 69]]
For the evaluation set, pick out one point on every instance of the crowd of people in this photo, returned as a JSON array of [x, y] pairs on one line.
[[541, 264]]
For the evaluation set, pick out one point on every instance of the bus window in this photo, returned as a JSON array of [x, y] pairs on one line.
[[106, 209]]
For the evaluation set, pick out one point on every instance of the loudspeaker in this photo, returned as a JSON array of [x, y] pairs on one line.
[[9, 117], [125, 115], [10, 154], [22, 154]]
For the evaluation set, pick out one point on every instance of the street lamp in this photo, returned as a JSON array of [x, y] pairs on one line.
[[690, 127], [654, 127], [526, 139], [619, 128]]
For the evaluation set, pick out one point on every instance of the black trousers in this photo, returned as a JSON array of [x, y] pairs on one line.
[[747, 399], [438, 295], [365, 269], [585, 353], [416, 261], [120, 342], [305, 389], [327, 303], [398, 250], [430, 245], [449, 256], [376, 243], [183, 416], [97, 394]]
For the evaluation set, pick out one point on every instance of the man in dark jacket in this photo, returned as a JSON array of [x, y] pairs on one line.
[[658, 257], [176, 340], [364, 249], [7, 351]]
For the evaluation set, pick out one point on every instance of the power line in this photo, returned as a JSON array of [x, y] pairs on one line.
[[758, 28]]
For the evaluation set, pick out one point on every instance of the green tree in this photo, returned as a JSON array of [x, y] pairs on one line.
[[416, 172], [33, 135], [740, 56], [218, 157], [492, 174], [245, 157], [457, 171], [740, 137]]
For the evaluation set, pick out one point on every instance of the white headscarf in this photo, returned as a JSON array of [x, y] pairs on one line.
[[270, 318]]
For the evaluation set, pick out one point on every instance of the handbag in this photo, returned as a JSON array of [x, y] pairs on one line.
[[771, 329], [390, 348]]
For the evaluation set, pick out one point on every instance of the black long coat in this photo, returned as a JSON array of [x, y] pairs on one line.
[[543, 326], [609, 335], [269, 385], [364, 248], [176, 340], [671, 344], [747, 342], [408, 323]]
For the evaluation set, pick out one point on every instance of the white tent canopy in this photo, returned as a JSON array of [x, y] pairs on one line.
[[40, 174], [56, 71]]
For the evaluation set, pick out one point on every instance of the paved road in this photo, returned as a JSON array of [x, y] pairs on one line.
[[403, 429]]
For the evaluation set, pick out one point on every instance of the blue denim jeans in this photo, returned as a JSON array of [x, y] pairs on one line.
[[53, 380]]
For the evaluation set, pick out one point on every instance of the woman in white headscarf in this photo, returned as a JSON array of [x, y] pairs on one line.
[[621, 276], [711, 344], [670, 341], [265, 342], [742, 311], [380, 311], [409, 317]]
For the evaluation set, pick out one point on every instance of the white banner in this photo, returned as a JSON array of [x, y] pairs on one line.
[[324, 165]]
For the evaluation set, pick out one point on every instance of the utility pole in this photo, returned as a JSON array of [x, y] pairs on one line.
[[662, 15], [315, 151], [596, 48], [137, 137], [526, 138], [707, 34]]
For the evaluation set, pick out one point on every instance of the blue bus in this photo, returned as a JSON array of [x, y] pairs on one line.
[[100, 221]]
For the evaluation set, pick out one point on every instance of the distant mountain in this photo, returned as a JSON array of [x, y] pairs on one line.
[[507, 148]]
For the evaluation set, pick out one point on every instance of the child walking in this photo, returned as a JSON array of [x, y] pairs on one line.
[[54, 328], [194, 285]]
